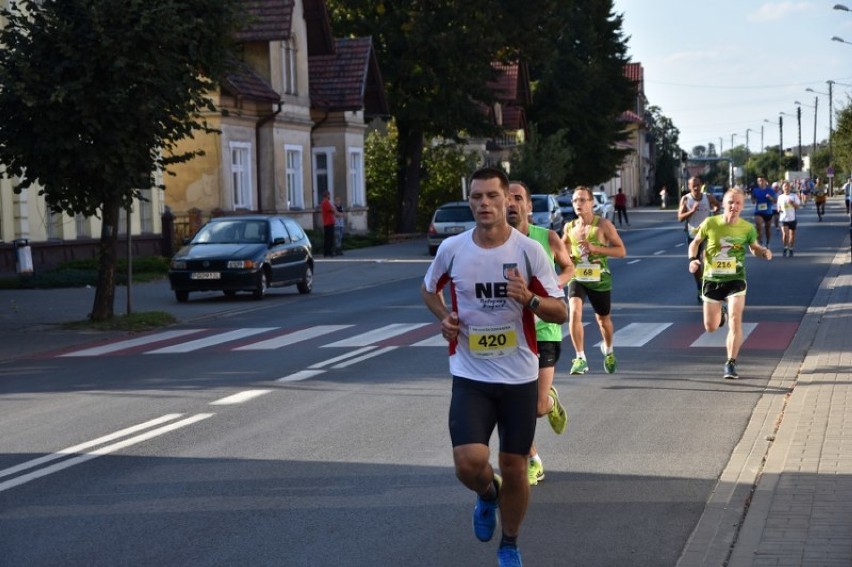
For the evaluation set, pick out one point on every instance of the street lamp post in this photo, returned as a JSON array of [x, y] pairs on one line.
[[830, 132], [733, 179], [813, 150], [798, 117], [745, 165]]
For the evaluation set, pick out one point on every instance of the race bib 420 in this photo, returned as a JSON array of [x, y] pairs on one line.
[[492, 341]]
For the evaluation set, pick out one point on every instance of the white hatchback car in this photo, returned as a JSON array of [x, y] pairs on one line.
[[604, 207]]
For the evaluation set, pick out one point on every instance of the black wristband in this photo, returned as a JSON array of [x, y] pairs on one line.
[[693, 258]]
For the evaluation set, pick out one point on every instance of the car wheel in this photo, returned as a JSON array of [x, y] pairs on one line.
[[182, 296], [262, 285], [307, 283]]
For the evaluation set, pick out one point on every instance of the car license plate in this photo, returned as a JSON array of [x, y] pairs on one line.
[[455, 229], [205, 276]]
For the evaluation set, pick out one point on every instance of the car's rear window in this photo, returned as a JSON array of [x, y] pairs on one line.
[[540, 204], [454, 214]]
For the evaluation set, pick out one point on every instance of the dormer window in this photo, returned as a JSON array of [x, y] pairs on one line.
[[288, 62]]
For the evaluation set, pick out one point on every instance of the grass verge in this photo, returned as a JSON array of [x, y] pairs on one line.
[[132, 322]]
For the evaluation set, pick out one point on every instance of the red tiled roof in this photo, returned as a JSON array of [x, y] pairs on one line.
[[268, 20], [629, 116], [512, 83], [348, 79], [244, 82], [634, 72], [514, 118]]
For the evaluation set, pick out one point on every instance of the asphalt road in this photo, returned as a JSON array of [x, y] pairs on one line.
[[312, 430]]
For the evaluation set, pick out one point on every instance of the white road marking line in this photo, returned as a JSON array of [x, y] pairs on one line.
[[637, 334], [365, 357], [435, 341], [658, 252], [633, 262], [239, 397], [131, 343], [679, 245], [294, 337], [301, 375], [56, 467], [341, 357], [88, 444], [376, 335], [718, 338], [211, 341]]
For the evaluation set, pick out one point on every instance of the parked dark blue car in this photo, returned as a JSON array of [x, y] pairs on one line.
[[244, 253]]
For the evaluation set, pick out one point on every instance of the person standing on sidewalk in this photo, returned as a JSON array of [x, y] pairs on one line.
[[724, 289], [664, 196], [548, 335], [694, 208], [328, 217], [499, 281], [621, 206], [339, 226], [787, 205], [847, 194], [592, 240]]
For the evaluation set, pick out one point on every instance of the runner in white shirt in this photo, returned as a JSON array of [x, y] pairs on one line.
[[499, 280], [787, 204], [696, 206]]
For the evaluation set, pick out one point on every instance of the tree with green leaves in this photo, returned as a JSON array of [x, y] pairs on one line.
[[95, 94], [542, 162], [842, 142], [436, 60], [581, 89], [667, 152]]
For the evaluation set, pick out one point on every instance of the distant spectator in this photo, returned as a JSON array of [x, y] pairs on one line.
[[621, 206], [339, 226], [664, 195]]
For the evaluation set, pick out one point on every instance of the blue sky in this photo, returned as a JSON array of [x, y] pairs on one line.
[[722, 68]]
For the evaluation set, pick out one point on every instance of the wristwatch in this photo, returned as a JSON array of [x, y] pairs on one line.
[[534, 302]]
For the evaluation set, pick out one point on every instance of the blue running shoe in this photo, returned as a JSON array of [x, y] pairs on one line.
[[485, 514], [509, 556]]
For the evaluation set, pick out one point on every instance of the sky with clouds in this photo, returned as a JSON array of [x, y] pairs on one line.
[[726, 69]]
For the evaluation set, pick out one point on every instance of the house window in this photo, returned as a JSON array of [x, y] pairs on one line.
[[82, 226], [54, 225], [146, 211], [295, 183], [288, 58], [356, 177], [241, 192], [323, 173]]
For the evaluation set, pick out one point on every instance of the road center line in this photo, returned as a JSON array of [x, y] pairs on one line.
[[365, 357], [88, 444], [239, 397], [56, 467]]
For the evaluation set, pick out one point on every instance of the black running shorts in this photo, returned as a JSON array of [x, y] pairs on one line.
[[719, 291], [548, 353], [600, 300], [477, 407]]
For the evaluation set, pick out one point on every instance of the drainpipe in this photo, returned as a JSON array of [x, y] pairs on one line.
[[257, 126]]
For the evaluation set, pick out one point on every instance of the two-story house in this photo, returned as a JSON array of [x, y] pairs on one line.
[[291, 118]]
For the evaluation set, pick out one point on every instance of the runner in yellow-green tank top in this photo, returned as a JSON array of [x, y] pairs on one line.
[[591, 240], [548, 336]]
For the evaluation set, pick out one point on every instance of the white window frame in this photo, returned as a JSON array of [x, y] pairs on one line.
[[146, 211], [242, 195], [355, 171], [293, 174], [318, 173], [289, 66], [82, 226], [53, 225]]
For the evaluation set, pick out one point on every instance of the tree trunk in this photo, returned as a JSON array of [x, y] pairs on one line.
[[411, 158], [102, 310]]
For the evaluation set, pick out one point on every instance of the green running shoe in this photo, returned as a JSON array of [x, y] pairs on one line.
[[610, 364], [579, 366], [535, 472], [557, 416]]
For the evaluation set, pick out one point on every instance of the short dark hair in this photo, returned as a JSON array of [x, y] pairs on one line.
[[522, 184], [485, 173]]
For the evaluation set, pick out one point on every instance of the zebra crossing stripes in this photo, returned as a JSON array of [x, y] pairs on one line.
[[637, 334], [718, 338], [377, 335], [133, 343], [211, 341], [294, 337]]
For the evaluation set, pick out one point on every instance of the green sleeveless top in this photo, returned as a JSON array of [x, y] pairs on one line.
[[593, 265], [544, 331]]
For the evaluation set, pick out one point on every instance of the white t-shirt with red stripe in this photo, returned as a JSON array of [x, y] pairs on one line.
[[496, 341]]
